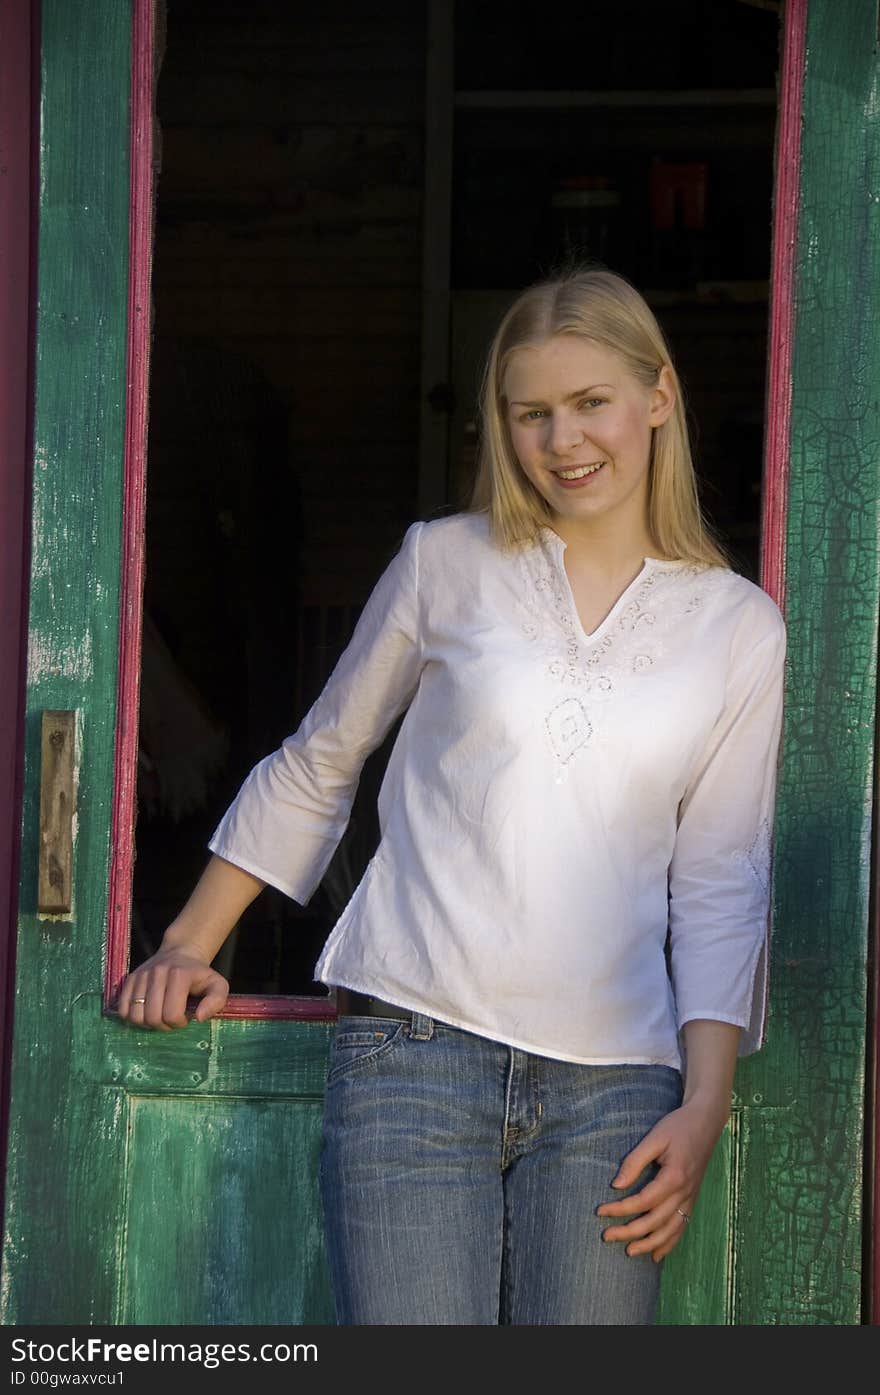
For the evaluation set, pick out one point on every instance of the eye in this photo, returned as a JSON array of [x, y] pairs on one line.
[[593, 401], [530, 416]]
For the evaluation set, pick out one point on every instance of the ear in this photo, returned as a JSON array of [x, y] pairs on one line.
[[662, 398]]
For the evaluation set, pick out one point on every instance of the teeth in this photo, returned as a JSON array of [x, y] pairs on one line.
[[582, 470]]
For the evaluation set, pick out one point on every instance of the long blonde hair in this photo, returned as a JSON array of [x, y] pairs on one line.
[[599, 305]]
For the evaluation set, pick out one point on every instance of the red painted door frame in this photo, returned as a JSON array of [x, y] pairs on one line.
[[143, 74], [18, 87]]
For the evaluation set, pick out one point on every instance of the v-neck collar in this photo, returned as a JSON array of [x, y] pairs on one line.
[[558, 546]]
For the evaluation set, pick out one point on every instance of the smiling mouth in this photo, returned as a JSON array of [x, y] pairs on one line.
[[580, 471]]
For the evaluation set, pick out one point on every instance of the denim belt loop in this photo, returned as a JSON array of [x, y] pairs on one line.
[[422, 1027]]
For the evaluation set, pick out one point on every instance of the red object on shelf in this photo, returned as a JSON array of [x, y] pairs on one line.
[[678, 194]]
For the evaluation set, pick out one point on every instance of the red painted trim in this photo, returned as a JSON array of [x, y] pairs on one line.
[[786, 203], [140, 249], [872, 1093], [19, 85], [132, 566], [300, 1009], [782, 307]]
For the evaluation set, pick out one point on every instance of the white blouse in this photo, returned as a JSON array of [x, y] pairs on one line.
[[554, 803]]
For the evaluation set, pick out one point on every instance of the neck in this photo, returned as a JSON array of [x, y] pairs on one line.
[[609, 553]]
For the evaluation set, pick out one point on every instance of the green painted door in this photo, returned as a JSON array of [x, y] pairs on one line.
[[789, 1179], [152, 1177], [170, 1178]]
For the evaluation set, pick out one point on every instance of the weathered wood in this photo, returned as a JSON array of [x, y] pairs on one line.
[[131, 582], [16, 358], [786, 196], [235, 1182], [57, 812], [104, 1121], [799, 1223], [122, 1144], [241, 1060], [65, 1150]]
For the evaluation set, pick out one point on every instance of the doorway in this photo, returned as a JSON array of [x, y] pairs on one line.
[[288, 366]]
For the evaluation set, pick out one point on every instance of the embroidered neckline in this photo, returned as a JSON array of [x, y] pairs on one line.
[[629, 639], [628, 645]]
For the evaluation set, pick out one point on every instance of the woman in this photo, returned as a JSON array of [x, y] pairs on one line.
[[558, 949]]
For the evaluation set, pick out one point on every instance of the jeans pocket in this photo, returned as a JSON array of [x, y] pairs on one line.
[[360, 1041]]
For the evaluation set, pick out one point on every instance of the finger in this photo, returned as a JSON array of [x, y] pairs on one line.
[[141, 998], [636, 1161], [213, 1002], [664, 1187], [178, 986], [672, 1230], [123, 1001], [665, 1238], [133, 998], [643, 1225], [153, 1008], [669, 1245]]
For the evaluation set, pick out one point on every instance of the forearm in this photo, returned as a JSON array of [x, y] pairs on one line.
[[219, 898], [681, 1144], [711, 1051]]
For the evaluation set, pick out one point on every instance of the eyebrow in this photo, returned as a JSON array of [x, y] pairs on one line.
[[581, 392]]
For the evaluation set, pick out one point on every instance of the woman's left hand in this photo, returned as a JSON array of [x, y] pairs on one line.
[[681, 1143]]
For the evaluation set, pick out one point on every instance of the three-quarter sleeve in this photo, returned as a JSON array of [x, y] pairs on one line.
[[292, 810], [719, 875]]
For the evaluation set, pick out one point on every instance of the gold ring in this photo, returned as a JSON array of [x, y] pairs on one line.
[[138, 1000]]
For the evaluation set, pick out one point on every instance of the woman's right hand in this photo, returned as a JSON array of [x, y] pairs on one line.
[[155, 993], [164, 982]]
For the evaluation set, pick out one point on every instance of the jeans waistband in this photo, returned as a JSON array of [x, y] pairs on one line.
[[349, 1003]]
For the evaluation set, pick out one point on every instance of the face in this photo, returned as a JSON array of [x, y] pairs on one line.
[[574, 406]]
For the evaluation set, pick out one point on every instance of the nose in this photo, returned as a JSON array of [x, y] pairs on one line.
[[565, 432]]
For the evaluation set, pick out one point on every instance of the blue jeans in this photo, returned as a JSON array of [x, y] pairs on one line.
[[460, 1178]]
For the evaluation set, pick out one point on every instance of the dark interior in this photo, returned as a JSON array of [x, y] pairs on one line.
[[287, 379]]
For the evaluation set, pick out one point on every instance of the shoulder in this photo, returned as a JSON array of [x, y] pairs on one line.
[[456, 528], [741, 606], [759, 616], [452, 541], [755, 634]]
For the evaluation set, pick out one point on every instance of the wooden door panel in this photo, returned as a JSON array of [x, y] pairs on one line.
[[222, 1190], [227, 1057], [211, 1135], [63, 1177]]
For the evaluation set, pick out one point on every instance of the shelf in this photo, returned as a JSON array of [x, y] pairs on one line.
[[691, 97]]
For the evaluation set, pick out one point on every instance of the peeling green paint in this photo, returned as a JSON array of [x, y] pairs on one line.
[[215, 1128], [797, 1158], [798, 1225]]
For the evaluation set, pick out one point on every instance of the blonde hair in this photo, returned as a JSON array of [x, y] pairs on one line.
[[599, 305]]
